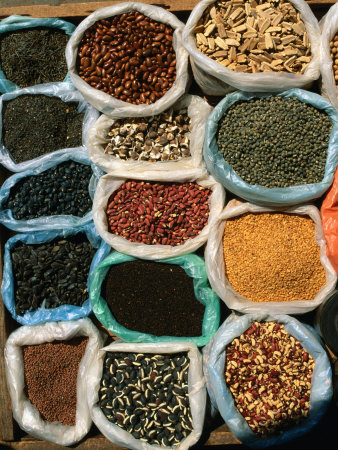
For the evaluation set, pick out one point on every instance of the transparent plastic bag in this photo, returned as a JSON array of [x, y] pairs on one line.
[[198, 111], [196, 383], [193, 265], [224, 80], [214, 262], [221, 397], [24, 412], [109, 105], [67, 93], [261, 195], [63, 312]]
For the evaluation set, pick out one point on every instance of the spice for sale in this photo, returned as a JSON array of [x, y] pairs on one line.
[[334, 56], [33, 56], [273, 257], [254, 36], [158, 213], [269, 375], [160, 300], [33, 125], [51, 274], [157, 138], [128, 56], [63, 189], [275, 141], [50, 372], [147, 395]]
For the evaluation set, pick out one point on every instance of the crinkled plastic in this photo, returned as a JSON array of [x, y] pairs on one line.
[[214, 261], [46, 222], [198, 111], [196, 389], [15, 23], [260, 195], [67, 93], [109, 105], [215, 79], [329, 213], [24, 412], [63, 312], [194, 267], [214, 363]]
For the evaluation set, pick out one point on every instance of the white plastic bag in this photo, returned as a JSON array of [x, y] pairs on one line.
[[214, 261], [26, 414], [215, 79], [196, 388], [67, 93], [108, 183], [106, 103], [198, 111]]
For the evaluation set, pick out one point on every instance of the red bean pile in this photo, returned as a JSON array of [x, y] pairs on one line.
[[158, 213], [51, 371], [128, 56]]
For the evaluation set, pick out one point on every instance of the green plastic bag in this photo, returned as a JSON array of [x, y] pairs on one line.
[[194, 267]]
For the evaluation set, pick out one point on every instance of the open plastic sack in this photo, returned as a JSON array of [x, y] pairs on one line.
[[194, 267], [215, 79], [24, 412], [106, 103], [221, 397], [97, 139], [196, 387], [329, 213], [261, 195], [63, 312], [108, 183], [67, 93], [214, 261]]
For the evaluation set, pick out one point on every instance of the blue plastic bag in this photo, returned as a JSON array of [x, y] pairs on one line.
[[63, 312], [15, 23], [260, 195], [194, 267], [221, 397]]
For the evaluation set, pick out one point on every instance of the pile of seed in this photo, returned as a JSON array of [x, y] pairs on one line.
[[157, 138], [62, 189], [254, 36], [158, 213], [273, 257], [147, 395], [275, 141], [52, 274], [33, 125], [33, 56], [50, 372], [334, 56], [128, 56], [160, 300], [269, 375]]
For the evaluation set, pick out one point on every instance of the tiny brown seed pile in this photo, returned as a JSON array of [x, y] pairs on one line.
[[269, 375], [158, 213], [157, 138], [273, 257], [334, 56], [254, 36]]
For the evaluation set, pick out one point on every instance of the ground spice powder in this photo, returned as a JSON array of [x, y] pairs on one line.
[[273, 257]]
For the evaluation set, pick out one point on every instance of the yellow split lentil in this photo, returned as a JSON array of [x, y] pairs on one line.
[[273, 257]]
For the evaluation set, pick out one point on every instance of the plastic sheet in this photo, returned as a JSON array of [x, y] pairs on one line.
[[329, 213]]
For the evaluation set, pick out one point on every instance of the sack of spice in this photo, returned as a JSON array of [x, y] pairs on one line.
[[273, 150], [47, 274], [169, 300], [46, 370], [174, 373], [329, 216], [245, 47], [39, 121], [128, 59], [171, 141], [260, 259], [278, 399], [26, 45]]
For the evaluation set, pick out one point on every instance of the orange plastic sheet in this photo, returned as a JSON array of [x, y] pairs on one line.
[[329, 212]]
